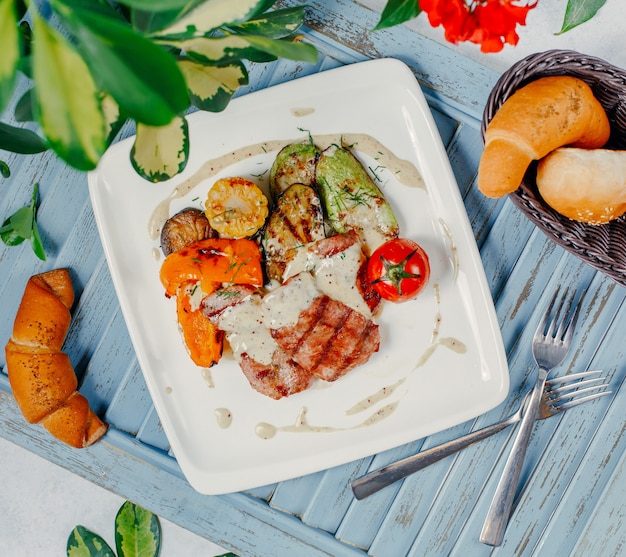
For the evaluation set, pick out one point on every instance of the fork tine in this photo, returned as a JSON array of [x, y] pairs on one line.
[[577, 401], [560, 397], [572, 377], [540, 332], [568, 333], [558, 391], [558, 318]]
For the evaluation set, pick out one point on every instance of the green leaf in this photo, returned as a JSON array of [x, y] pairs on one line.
[[161, 152], [250, 47], [578, 12], [274, 25], [20, 140], [84, 543], [157, 5], [9, 236], [22, 225], [284, 48], [5, 171], [70, 116], [211, 87], [10, 49], [397, 12], [149, 22], [221, 50], [137, 532], [114, 117], [140, 75], [36, 243], [22, 221], [24, 108], [212, 14]]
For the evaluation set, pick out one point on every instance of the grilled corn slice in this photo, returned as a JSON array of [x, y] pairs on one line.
[[236, 207]]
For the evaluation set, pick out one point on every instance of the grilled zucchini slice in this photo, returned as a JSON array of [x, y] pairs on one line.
[[294, 164], [352, 200], [296, 220]]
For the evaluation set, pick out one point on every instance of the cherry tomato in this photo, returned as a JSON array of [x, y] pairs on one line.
[[398, 269]]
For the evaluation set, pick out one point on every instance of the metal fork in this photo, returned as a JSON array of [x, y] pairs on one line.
[[568, 394], [551, 343]]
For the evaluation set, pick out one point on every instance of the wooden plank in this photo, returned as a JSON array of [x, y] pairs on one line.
[[575, 506], [233, 521]]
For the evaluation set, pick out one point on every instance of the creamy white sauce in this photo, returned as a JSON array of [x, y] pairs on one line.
[[247, 324], [244, 327], [282, 307], [454, 252], [266, 430], [300, 112], [450, 343], [196, 295], [373, 399], [223, 417], [208, 377], [335, 276]]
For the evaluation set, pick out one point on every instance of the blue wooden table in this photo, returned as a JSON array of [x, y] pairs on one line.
[[573, 495]]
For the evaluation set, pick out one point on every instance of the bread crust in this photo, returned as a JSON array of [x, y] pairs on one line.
[[41, 376], [544, 115], [584, 185]]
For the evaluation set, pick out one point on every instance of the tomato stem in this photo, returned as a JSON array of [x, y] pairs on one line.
[[395, 273]]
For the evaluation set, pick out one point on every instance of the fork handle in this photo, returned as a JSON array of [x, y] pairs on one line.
[[500, 510], [376, 480]]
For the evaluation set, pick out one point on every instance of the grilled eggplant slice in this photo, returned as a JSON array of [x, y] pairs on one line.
[[184, 228], [294, 164], [297, 219], [352, 200]]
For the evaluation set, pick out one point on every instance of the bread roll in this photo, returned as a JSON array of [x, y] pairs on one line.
[[548, 113], [584, 185], [41, 376]]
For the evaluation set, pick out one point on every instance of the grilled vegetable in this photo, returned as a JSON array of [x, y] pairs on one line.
[[236, 207], [213, 261], [297, 219], [184, 228], [294, 164], [204, 341], [352, 200]]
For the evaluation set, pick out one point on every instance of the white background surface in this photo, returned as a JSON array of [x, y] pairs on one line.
[[41, 503]]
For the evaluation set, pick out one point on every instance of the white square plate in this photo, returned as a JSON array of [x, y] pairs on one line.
[[443, 350]]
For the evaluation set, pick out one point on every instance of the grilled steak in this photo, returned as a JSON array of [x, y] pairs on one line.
[[292, 335], [214, 304], [329, 338], [282, 377], [340, 268], [238, 311]]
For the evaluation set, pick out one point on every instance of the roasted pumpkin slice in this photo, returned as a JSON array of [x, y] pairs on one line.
[[204, 341], [213, 261]]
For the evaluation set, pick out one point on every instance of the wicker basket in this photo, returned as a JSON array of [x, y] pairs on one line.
[[601, 246]]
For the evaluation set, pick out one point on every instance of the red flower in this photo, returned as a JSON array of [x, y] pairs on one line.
[[489, 23]]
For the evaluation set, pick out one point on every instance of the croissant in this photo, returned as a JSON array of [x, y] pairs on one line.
[[41, 376], [548, 113]]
